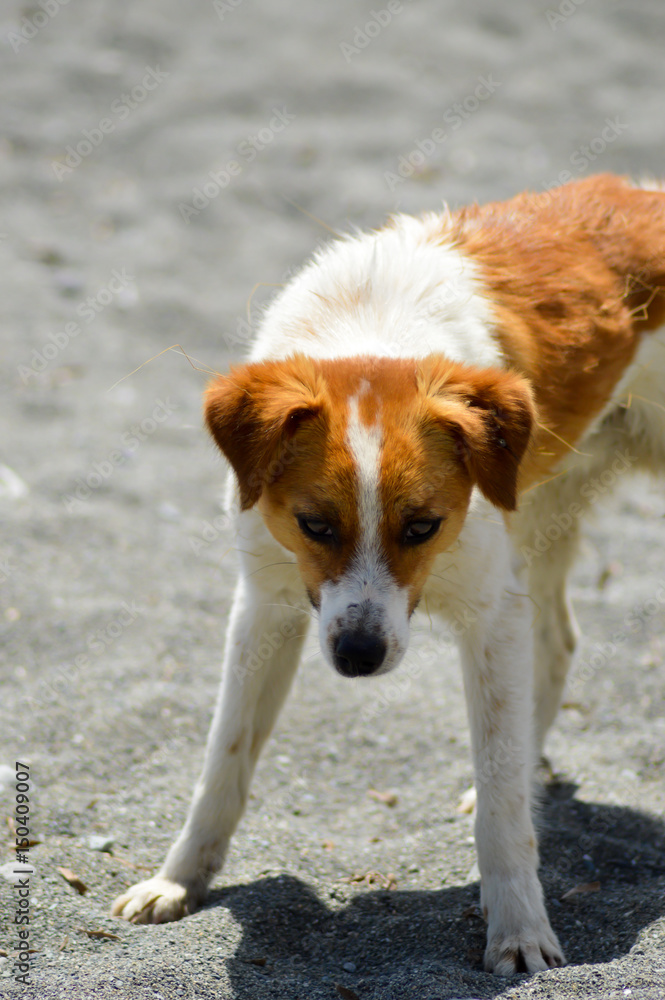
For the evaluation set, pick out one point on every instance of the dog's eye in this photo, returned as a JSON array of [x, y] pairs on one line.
[[315, 528], [421, 531]]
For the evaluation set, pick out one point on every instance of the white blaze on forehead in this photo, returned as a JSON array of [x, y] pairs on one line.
[[365, 445], [366, 596]]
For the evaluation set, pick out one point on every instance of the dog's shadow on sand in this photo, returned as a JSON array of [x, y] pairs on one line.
[[615, 857]]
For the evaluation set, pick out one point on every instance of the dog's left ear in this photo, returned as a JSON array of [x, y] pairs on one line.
[[253, 414], [490, 414]]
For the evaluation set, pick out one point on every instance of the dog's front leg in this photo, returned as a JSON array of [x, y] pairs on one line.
[[263, 646], [497, 662]]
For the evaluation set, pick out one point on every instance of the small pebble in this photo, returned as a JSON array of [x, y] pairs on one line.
[[99, 843], [168, 511], [7, 777], [12, 487], [68, 282], [8, 872], [349, 966]]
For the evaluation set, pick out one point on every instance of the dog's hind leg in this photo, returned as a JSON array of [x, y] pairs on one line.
[[555, 636], [630, 438], [263, 645], [554, 631], [546, 538]]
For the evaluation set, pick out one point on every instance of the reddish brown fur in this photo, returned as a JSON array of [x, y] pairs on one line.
[[575, 274], [445, 426]]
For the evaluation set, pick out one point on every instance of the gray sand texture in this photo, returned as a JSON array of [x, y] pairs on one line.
[[163, 166]]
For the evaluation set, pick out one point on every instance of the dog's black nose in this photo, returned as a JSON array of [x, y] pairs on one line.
[[358, 654]]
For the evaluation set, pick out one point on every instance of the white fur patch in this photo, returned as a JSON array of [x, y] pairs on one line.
[[365, 444], [400, 292], [366, 594]]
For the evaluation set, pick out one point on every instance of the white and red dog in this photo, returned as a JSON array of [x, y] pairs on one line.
[[419, 403]]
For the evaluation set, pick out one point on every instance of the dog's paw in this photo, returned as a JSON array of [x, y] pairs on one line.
[[534, 949], [155, 901]]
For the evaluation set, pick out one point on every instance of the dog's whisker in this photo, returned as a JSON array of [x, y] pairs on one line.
[[311, 657], [262, 569], [293, 607], [431, 626], [483, 517]]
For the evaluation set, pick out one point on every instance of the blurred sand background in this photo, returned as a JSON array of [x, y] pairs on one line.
[[116, 576]]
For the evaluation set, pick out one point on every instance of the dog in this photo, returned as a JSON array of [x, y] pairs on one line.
[[420, 402]]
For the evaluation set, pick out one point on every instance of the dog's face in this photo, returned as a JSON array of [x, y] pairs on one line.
[[363, 468]]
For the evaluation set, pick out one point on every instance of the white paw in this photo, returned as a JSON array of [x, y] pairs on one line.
[[519, 936], [155, 901], [532, 949]]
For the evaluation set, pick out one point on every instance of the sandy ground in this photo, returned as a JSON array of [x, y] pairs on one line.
[[116, 576]]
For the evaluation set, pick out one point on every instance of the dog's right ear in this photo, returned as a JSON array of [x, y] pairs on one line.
[[490, 413], [255, 411]]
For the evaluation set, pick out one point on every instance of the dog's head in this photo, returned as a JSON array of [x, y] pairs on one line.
[[363, 468]]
